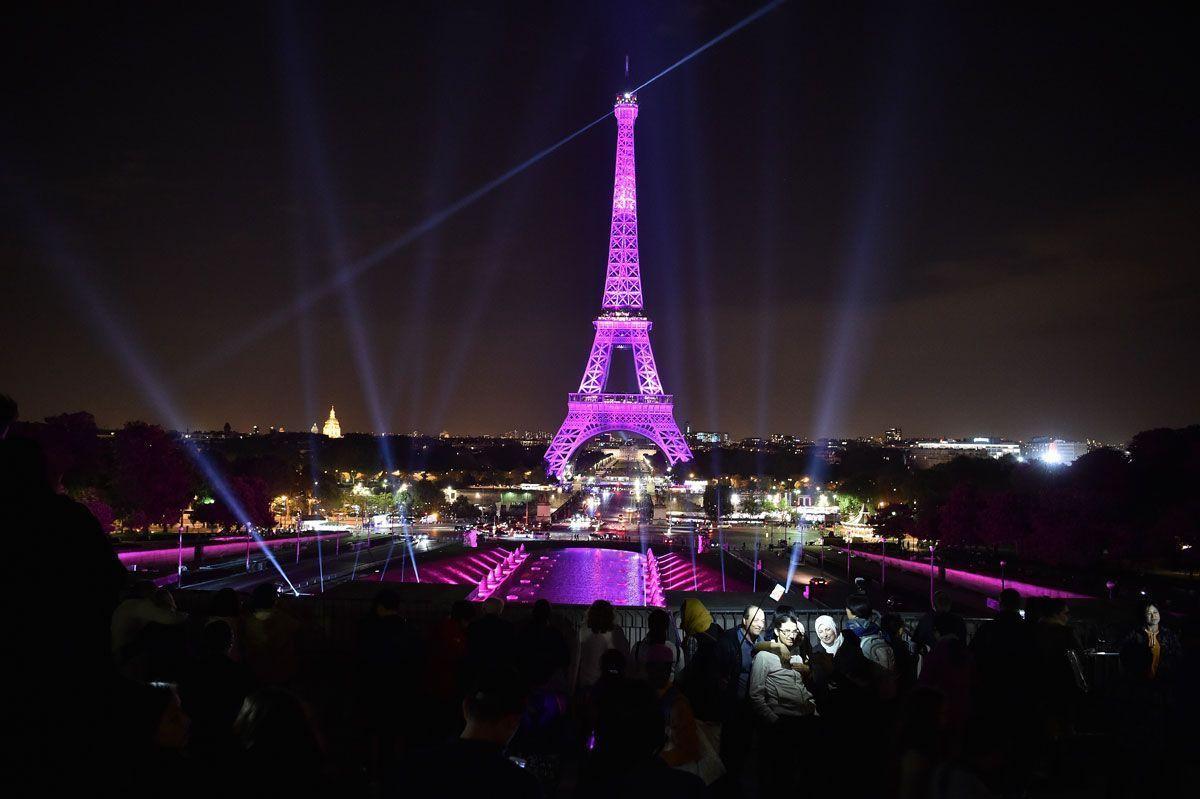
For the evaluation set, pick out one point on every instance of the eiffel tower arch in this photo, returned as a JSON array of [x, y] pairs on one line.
[[622, 324]]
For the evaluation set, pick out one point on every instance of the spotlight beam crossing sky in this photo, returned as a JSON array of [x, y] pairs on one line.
[[958, 220]]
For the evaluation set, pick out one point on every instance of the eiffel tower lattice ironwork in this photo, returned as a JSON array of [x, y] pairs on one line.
[[592, 411]]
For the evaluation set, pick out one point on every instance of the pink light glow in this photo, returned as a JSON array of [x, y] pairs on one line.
[[143, 558], [574, 575], [981, 583], [591, 411]]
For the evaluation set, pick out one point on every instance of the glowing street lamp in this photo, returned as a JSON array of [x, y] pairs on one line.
[[931, 573]]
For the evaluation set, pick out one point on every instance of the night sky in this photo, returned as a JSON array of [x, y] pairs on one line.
[[958, 218]]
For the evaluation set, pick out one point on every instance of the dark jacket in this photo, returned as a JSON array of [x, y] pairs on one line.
[[1005, 660], [467, 769], [1002, 645], [924, 638], [705, 678], [1055, 691], [737, 655], [541, 651], [491, 644], [1136, 656], [842, 683], [212, 691]]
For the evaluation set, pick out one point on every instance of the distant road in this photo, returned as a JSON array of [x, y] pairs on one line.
[[337, 559]]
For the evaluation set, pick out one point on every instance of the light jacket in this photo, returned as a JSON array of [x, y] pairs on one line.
[[776, 690]]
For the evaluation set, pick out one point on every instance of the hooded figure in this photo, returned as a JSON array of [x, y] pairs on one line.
[[704, 678], [694, 618]]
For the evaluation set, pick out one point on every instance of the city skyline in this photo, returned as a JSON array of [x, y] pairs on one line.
[[697, 435], [937, 218]]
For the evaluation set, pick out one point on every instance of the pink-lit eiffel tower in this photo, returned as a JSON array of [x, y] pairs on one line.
[[621, 325]]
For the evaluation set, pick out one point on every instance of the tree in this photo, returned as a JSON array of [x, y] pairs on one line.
[[421, 497], [254, 496], [90, 498], [251, 503], [895, 520], [378, 503], [152, 481], [711, 494], [463, 509], [850, 504], [72, 448], [957, 522]]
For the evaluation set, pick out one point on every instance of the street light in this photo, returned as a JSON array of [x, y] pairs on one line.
[[931, 573], [1003, 563], [883, 561]]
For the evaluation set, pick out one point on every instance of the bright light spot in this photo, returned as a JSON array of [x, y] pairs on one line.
[[1052, 456]]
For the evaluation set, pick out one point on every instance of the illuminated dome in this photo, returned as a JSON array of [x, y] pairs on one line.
[[332, 428]]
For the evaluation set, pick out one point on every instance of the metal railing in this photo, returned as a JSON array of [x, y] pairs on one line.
[[338, 618], [639, 399]]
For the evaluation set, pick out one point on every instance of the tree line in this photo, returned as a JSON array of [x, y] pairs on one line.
[[141, 475]]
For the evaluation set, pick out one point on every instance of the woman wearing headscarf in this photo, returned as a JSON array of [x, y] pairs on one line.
[[841, 674]]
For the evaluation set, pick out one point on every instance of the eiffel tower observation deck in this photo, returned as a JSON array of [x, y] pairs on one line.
[[622, 324]]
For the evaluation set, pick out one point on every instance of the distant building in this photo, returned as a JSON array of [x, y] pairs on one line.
[[1051, 450], [892, 435], [711, 438], [316, 428], [332, 428], [815, 509], [925, 454], [786, 441]]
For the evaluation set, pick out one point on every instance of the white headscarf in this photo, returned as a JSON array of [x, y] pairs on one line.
[[827, 621]]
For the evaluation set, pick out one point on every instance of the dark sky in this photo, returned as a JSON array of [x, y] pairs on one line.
[[958, 218]]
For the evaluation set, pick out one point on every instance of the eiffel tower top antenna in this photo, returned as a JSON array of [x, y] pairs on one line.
[[627, 68]]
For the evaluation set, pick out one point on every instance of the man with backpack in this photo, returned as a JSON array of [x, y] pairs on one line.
[[860, 619]]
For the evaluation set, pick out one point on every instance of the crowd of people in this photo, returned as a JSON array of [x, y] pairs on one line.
[[116, 685], [505, 702]]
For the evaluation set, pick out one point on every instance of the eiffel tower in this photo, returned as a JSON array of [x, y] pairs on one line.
[[621, 324]]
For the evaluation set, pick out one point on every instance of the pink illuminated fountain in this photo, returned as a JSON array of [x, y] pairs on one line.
[[496, 576], [621, 325]]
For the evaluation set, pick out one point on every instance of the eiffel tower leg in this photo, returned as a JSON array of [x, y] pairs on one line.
[[595, 374], [643, 361], [671, 439], [575, 430]]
